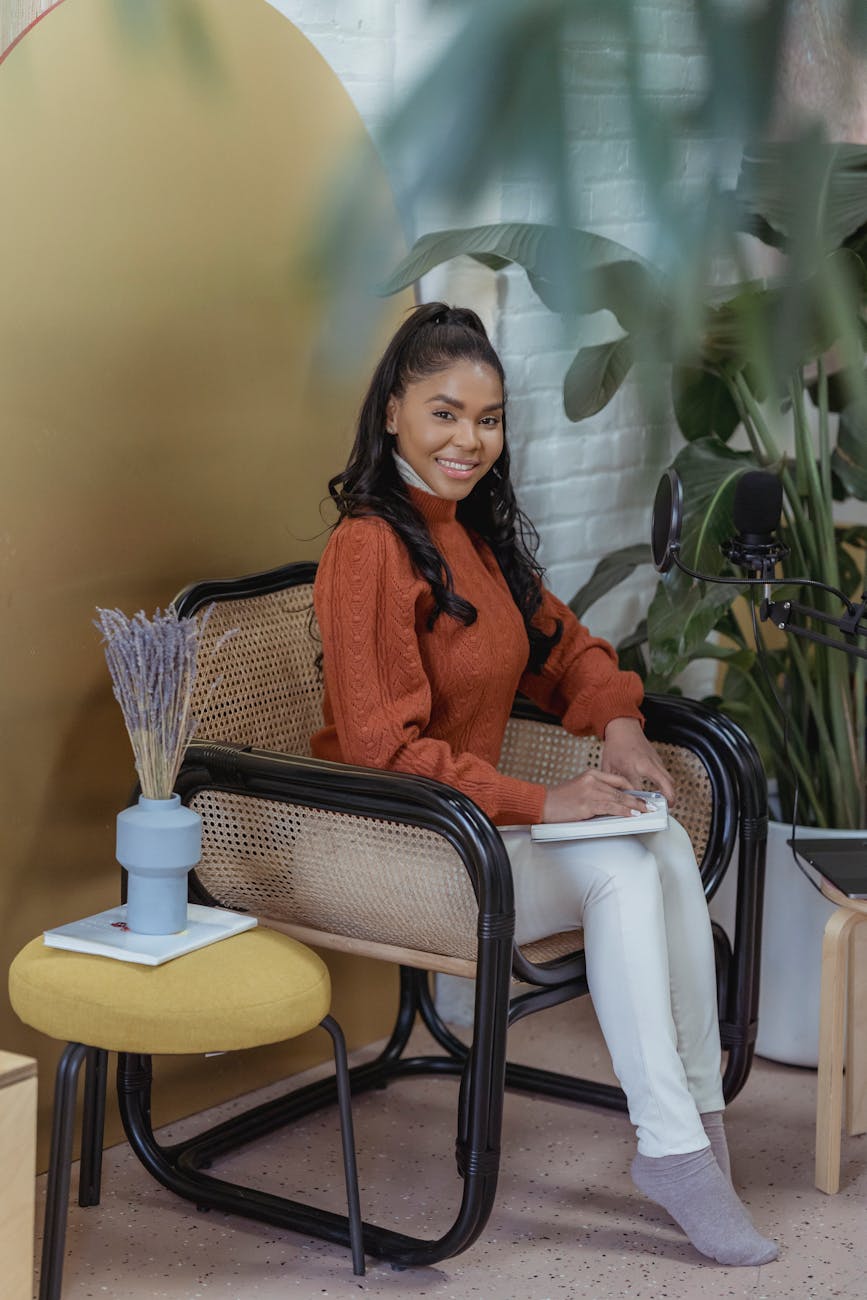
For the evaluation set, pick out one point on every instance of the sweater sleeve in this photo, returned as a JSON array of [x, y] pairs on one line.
[[581, 682], [367, 598]]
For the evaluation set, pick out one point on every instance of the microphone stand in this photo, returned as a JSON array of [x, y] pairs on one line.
[[763, 560], [821, 853], [759, 555], [851, 624]]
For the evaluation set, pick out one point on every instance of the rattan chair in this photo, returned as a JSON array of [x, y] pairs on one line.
[[411, 871]]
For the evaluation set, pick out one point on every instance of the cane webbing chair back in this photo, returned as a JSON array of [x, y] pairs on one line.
[[258, 681]]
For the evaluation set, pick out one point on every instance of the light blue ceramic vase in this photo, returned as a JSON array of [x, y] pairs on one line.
[[158, 841]]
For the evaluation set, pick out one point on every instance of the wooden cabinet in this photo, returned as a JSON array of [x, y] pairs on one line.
[[18, 1176]]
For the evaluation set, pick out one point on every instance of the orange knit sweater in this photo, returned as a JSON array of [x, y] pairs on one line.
[[436, 703]]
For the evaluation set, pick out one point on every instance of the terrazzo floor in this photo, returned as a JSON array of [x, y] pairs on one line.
[[568, 1224]]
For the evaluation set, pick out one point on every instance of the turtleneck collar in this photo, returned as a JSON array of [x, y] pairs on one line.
[[409, 475], [433, 509]]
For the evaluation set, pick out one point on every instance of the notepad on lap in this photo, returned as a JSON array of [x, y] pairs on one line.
[[655, 819]]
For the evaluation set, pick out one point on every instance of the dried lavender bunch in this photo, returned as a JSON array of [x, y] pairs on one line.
[[153, 665]]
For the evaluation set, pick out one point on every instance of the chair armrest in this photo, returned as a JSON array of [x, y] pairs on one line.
[[722, 790]]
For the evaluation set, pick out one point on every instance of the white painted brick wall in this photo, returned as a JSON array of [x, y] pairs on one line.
[[589, 487]]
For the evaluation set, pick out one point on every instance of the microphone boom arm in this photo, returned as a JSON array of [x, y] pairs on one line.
[[780, 612], [756, 551]]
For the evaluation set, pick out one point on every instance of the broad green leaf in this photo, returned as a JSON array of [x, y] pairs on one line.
[[732, 656], [571, 271], [738, 702], [851, 567], [609, 573], [703, 404], [856, 535], [660, 685], [849, 458], [681, 616], [782, 324], [839, 491], [637, 637], [839, 390], [782, 181], [184, 25], [594, 377], [490, 103], [631, 650]]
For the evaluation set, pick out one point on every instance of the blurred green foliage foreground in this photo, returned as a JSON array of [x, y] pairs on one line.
[[778, 360]]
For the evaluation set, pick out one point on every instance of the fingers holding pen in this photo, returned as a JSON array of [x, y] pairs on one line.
[[592, 794], [650, 769]]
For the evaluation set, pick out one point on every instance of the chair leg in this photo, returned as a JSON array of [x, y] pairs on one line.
[[179, 1167], [57, 1200], [92, 1127], [434, 1023], [829, 1098], [856, 1041], [347, 1137]]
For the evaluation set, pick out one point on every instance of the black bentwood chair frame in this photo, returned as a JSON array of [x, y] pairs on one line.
[[305, 844]]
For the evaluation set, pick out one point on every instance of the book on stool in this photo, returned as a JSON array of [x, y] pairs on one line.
[[105, 934]]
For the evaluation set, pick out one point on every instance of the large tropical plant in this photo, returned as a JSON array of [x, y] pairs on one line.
[[779, 364]]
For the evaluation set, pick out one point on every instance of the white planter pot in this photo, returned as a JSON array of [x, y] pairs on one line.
[[794, 921]]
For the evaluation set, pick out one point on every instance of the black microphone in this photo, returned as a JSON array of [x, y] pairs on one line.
[[756, 511], [757, 507]]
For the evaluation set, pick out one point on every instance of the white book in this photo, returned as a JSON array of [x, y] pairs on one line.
[[105, 935], [655, 819]]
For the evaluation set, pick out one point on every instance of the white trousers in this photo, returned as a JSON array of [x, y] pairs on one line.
[[650, 966]]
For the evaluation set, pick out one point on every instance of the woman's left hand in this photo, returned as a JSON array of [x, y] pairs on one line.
[[626, 751]]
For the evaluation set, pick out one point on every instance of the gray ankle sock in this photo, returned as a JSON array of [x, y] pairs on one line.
[[712, 1123], [694, 1191]]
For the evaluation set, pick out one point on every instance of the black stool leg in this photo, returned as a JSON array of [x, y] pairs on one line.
[[57, 1201], [347, 1137], [92, 1126]]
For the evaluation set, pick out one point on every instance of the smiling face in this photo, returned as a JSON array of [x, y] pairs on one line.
[[449, 426]]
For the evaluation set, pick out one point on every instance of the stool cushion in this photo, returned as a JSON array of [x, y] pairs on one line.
[[254, 988]]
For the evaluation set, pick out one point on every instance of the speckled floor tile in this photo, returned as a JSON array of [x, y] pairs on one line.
[[567, 1225]]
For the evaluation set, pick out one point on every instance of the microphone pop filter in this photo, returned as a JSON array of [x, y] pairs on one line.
[[667, 520]]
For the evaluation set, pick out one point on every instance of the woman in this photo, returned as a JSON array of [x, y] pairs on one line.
[[433, 613]]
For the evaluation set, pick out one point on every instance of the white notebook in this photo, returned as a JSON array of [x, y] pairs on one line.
[[105, 935], [655, 819]]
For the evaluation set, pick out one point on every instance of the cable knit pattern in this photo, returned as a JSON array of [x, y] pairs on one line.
[[436, 702]]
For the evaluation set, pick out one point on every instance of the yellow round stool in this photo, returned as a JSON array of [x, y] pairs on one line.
[[255, 988]]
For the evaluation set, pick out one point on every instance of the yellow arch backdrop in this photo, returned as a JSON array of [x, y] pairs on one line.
[[161, 412]]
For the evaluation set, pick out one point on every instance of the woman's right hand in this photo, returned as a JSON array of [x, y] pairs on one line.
[[592, 794]]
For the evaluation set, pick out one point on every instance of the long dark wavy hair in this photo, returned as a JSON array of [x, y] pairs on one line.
[[433, 337]]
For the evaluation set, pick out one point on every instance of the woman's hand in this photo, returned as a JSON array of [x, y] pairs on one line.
[[592, 794], [627, 752]]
